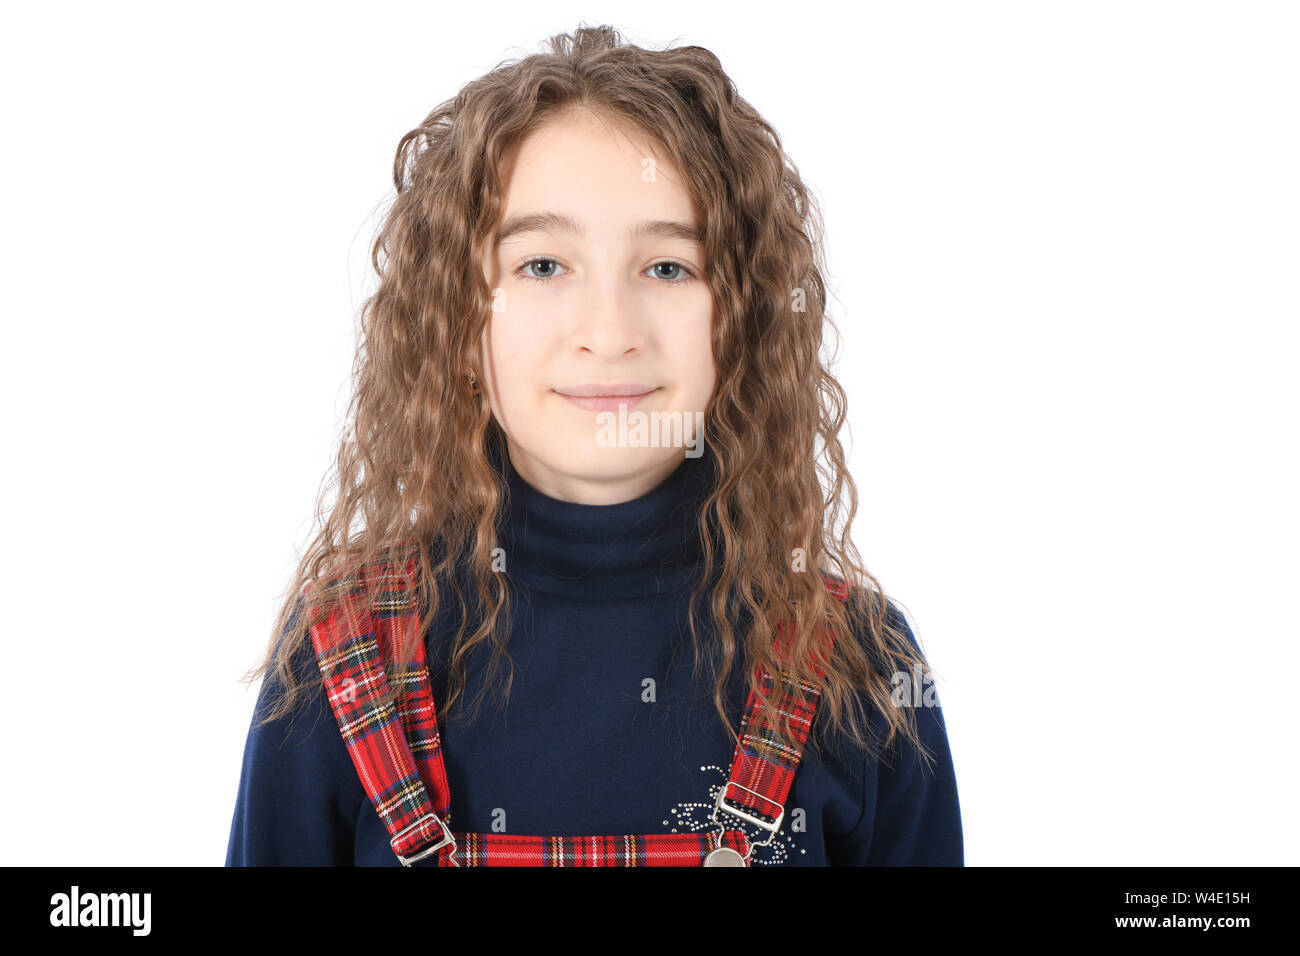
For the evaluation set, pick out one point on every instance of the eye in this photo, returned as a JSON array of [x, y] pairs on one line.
[[525, 270], [685, 273], [524, 273]]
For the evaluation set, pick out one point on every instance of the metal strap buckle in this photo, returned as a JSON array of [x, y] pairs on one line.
[[447, 838], [771, 826]]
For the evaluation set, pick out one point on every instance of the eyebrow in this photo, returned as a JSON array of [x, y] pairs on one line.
[[558, 222]]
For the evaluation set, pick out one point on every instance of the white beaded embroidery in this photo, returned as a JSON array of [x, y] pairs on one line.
[[693, 817]]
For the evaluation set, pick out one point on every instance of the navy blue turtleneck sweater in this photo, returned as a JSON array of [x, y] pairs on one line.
[[599, 610]]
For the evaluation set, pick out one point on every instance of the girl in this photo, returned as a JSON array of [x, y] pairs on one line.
[[584, 427]]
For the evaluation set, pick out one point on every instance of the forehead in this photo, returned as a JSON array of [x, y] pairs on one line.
[[594, 170]]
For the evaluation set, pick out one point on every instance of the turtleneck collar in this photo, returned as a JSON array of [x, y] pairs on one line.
[[635, 548]]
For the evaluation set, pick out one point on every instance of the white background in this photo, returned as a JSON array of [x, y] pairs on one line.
[[1063, 253]]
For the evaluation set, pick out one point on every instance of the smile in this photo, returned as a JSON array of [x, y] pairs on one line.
[[605, 398]]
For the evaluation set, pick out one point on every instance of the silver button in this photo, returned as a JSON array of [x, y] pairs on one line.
[[724, 856]]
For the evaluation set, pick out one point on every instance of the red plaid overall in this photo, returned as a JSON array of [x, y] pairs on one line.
[[398, 753]]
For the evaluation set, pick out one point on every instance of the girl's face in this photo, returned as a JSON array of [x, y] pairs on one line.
[[598, 281]]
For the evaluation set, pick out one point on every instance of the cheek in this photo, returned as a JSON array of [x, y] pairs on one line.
[[694, 353], [501, 351], [514, 347]]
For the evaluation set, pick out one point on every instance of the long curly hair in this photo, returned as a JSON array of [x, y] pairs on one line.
[[415, 460]]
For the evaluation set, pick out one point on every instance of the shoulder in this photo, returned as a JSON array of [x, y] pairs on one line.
[[304, 738], [877, 623], [294, 673]]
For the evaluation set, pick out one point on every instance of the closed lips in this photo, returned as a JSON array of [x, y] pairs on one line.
[[606, 391]]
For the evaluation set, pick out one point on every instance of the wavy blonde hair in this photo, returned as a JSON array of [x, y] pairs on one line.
[[414, 463]]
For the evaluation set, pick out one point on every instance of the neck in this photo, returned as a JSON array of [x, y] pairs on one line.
[[643, 546]]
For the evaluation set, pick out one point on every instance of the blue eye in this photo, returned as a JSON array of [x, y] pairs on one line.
[[525, 274], [683, 271], [684, 274]]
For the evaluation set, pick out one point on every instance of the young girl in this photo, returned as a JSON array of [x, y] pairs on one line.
[[585, 427]]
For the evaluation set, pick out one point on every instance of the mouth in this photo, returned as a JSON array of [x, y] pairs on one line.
[[606, 398]]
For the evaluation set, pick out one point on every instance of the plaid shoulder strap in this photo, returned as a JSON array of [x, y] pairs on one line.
[[763, 767], [397, 751]]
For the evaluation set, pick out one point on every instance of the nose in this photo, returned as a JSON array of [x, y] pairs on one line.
[[607, 325]]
